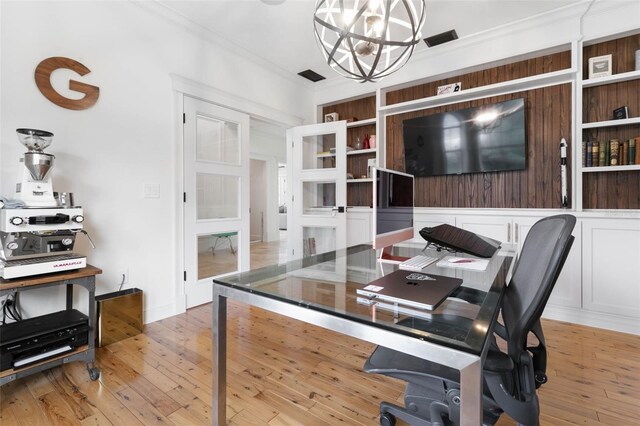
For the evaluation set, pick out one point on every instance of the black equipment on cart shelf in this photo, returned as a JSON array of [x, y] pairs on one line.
[[37, 339]]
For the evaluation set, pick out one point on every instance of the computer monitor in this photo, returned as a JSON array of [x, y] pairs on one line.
[[392, 211]]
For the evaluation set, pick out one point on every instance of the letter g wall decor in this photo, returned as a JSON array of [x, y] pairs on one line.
[[43, 81]]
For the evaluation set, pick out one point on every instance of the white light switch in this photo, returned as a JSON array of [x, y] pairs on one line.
[[151, 190]]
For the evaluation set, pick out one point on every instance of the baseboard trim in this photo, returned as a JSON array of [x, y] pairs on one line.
[[593, 319], [160, 312]]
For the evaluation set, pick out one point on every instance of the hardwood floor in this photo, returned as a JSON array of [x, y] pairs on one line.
[[284, 372]]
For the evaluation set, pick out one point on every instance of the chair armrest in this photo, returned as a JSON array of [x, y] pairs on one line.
[[498, 362]]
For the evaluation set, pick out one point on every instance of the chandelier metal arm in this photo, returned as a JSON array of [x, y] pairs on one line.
[[369, 41]]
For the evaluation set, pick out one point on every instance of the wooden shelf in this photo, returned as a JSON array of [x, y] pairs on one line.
[[611, 123], [353, 152], [12, 371], [513, 86], [361, 123], [359, 180], [616, 78], [605, 169], [362, 151]]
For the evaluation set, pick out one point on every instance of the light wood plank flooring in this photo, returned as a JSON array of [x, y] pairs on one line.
[[284, 372]]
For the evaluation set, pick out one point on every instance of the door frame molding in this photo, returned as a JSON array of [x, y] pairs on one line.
[[182, 87]]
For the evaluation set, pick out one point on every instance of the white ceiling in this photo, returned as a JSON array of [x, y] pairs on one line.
[[282, 34]]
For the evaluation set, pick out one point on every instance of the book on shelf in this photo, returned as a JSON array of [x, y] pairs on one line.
[[602, 152], [611, 153], [614, 146], [621, 113]]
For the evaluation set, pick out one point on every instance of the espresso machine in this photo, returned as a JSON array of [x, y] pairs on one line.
[[38, 228]]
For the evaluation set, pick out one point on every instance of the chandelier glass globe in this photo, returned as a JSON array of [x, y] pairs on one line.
[[366, 40]]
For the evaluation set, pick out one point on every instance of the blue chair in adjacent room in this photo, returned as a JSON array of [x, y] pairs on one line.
[[432, 396]]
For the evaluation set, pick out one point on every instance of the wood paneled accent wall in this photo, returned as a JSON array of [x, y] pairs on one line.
[[612, 190], [361, 193], [360, 109], [500, 74], [547, 119]]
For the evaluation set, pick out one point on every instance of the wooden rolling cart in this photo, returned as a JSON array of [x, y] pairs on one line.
[[85, 277]]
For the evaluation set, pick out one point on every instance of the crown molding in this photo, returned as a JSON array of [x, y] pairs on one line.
[[176, 18], [220, 97]]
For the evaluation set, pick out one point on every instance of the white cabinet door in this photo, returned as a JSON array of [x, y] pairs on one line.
[[568, 288], [359, 227], [611, 256]]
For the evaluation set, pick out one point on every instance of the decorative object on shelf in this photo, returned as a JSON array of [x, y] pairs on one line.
[[449, 88], [331, 117], [621, 113], [352, 119], [368, 40], [371, 163], [563, 173], [349, 175], [365, 142], [600, 66], [372, 141], [638, 60], [357, 144]]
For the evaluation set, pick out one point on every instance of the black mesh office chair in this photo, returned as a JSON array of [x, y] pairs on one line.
[[432, 396]]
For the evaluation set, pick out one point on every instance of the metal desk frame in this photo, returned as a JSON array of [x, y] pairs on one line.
[[469, 365], [88, 355]]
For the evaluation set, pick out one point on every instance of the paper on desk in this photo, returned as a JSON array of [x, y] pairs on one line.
[[463, 263]]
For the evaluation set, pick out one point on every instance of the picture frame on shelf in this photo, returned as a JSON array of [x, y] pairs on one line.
[[331, 117], [600, 66], [449, 88]]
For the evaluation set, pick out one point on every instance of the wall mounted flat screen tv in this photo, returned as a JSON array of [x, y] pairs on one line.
[[488, 138]]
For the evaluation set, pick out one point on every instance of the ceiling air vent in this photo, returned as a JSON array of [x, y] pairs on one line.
[[311, 75], [441, 38]]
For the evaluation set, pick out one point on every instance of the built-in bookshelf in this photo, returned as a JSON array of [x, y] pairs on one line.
[[542, 81], [607, 184], [360, 115]]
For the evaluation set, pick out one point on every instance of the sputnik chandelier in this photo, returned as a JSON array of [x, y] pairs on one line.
[[367, 40]]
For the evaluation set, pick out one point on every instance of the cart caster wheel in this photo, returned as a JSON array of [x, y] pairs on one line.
[[387, 419], [94, 373]]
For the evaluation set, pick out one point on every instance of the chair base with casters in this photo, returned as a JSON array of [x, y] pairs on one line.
[[511, 378], [432, 396]]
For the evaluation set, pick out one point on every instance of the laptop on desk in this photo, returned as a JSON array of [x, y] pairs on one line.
[[409, 288]]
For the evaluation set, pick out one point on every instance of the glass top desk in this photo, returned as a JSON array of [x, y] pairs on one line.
[[321, 290]]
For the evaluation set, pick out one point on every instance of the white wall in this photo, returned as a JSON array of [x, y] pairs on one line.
[[106, 153], [269, 145]]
